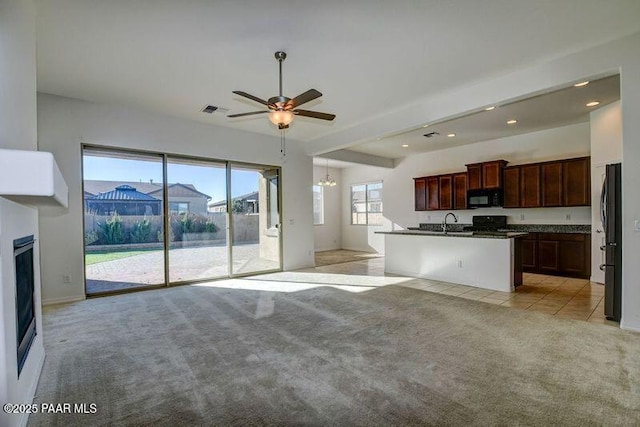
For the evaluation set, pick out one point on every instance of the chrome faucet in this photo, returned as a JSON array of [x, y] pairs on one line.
[[444, 223]]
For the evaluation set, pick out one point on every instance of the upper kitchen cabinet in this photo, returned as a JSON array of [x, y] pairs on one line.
[[487, 175], [552, 184], [445, 189], [460, 190], [576, 175], [420, 196], [530, 186], [433, 199], [511, 184], [492, 173], [474, 176]]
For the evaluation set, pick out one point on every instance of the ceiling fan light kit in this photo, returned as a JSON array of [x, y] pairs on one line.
[[282, 109]]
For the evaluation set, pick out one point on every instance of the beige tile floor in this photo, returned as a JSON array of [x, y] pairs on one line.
[[564, 297]]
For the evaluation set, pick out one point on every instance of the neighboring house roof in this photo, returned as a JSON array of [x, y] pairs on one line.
[[177, 189], [181, 190], [249, 196], [124, 192]]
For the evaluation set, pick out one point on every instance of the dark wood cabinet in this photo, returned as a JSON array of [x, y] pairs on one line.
[[420, 194], [474, 176], [511, 185], [576, 175], [558, 254], [446, 192], [549, 184], [529, 253], [433, 199], [530, 186], [552, 194], [460, 190], [548, 256], [492, 174]]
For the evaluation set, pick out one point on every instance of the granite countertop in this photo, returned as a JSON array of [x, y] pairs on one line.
[[514, 228], [475, 235]]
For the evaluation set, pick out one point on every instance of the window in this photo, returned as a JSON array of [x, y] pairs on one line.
[[366, 204], [318, 205], [178, 208]]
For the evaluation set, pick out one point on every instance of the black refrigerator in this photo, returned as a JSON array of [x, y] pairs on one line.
[[611, 216]]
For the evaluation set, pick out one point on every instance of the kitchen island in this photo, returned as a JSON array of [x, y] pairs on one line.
[[483, 260]]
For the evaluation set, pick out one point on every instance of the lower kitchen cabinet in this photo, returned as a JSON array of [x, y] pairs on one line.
[[557, 254], [530, 253]]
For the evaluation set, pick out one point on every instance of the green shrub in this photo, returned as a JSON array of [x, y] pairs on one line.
[[90, 237], [141, 231], [210, 227], [160, 236], [113, 230]]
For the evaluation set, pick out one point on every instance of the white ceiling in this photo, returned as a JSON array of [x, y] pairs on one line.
[[554, 109], [365, 56]]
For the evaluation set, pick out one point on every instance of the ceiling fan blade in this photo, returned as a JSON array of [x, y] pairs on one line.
[[251, 97], [247, 114], [315, 114], [309, 95]]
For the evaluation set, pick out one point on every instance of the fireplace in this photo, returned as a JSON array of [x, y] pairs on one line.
[[25, 307]]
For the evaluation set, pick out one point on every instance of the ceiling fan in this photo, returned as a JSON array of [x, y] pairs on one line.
[[282, 109]]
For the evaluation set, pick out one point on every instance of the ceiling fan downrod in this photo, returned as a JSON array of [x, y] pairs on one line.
[[280, 57]]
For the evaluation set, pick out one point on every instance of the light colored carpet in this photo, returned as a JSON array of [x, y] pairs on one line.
[[210, 355], [340, 256]]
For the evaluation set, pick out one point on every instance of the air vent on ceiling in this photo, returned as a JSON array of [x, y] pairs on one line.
[[210, 109], [431, 134]]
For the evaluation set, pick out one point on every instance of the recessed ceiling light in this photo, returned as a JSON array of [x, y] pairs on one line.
[[593, 103], [425, 126], [378, 139], [451, 135], [582, 84], [405, 145], [489, 108], [512, 122]]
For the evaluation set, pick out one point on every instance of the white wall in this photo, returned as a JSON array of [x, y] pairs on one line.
[[328, 235], [606, 147], [398, 191], [64, 123], [17, 131]]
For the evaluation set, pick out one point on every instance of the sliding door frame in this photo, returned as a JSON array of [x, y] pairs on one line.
[[230, 165], [165, 194]]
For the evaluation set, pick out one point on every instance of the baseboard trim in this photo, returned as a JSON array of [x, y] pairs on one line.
[[63, 300]]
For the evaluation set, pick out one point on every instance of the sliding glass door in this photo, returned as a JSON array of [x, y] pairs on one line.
[[157, 219], [198, 228], [123, 220], [255, 219]]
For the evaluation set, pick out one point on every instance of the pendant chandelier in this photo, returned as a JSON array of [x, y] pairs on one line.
[[327, 181]]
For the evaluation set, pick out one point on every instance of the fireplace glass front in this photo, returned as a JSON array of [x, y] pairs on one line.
[[25, 308]]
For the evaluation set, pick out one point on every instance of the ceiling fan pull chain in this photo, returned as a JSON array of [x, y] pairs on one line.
[[283, 147]]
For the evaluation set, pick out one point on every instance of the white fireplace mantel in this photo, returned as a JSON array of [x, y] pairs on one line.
[[32, 177]]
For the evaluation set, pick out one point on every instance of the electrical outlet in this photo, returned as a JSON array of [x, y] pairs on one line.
[[567, 217], [291, 222], [66, 279], [459, 263], [636, 224], [521, 217], [428, 217]]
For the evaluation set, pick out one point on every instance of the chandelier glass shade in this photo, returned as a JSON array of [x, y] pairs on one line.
[[327, 181]]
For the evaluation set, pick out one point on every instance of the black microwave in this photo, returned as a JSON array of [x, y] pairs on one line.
[[484, 198]]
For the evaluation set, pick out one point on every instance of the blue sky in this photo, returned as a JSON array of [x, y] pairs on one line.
[[207, 179]]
